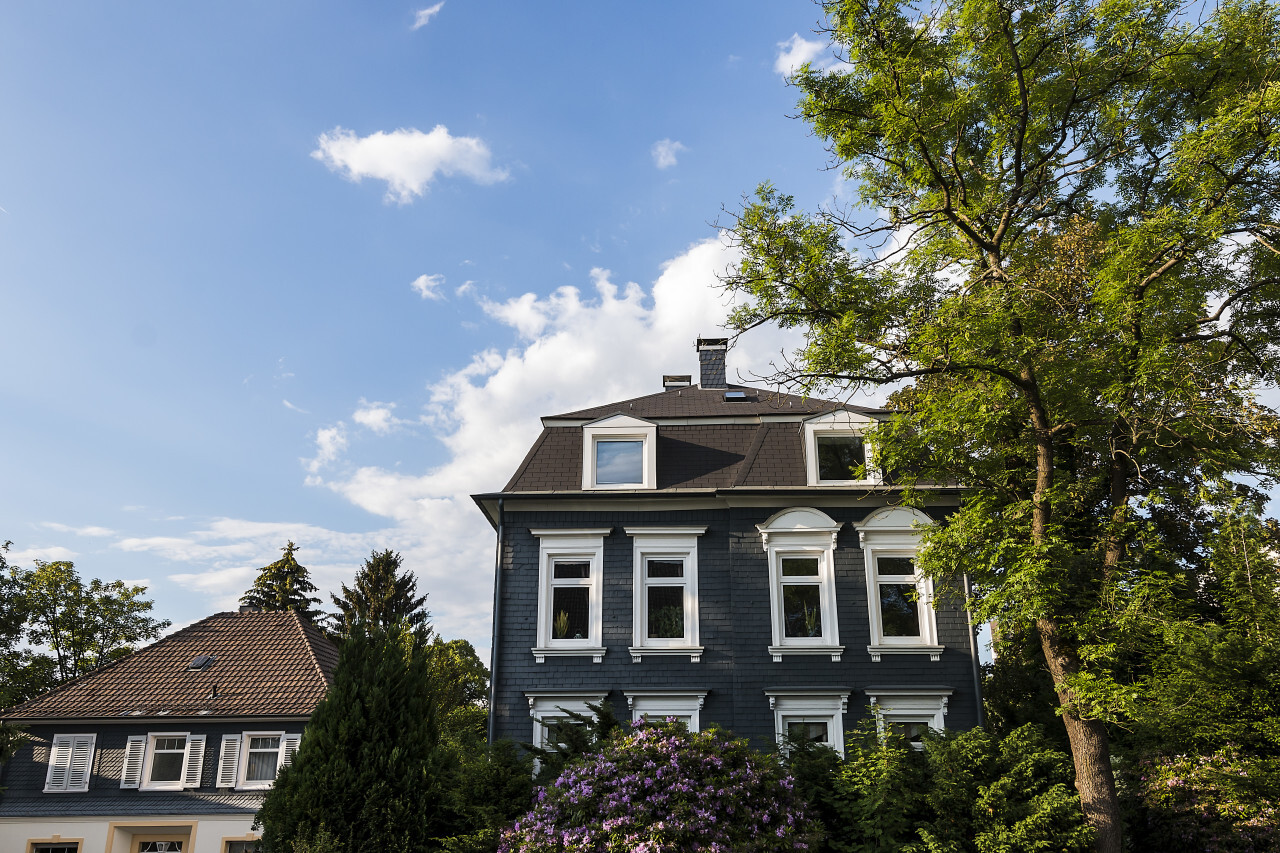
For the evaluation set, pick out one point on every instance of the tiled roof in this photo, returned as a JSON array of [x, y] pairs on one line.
[[264, 664], [154, 803], [695, 402]]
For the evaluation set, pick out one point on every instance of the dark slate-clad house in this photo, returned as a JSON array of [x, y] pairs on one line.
[[724, 554], [170, 749]]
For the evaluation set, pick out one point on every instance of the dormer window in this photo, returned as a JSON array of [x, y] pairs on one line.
[[619, 452], [837, 450]]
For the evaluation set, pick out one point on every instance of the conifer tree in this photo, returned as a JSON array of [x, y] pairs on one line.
[[284, 585], [380, 596]]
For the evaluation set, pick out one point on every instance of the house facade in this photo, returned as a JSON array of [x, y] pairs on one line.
[[170, 749], [723, 555]]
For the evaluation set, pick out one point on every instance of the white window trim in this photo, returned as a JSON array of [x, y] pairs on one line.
[[803, 532], [909, 705], [895, 532], [192, 761], [660, 704], [840, 422], [78, 751], [620, 428], [581, 544], [810, 705], [670, 543], [288, 744], [552, 705]]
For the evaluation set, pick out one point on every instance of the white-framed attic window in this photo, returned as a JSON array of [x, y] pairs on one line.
[[810, 714], [838, 450], [70, 763], [909, 711], [800, 544], [163, 761], [665, 592], [899, 598], [619, 452], [570, 592]]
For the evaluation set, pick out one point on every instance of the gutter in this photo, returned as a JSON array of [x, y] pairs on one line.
[[497, 610], [973, 656]]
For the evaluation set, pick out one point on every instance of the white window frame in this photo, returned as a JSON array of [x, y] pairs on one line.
[[795, 705], [545, 706], [669, 543], [895, 532], [909, 705], [233, 760], [660, 704], [803, 532], [841, 423], [70, 758], [570, 545], [620, 428], [192, 762]]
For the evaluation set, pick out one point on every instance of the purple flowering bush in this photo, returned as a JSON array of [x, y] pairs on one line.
[[663, 788]]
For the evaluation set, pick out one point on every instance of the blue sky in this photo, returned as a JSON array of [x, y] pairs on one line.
[[276, 271]]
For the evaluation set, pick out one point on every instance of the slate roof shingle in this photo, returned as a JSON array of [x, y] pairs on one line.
[[265, 664], [155, 803], [695, 402]]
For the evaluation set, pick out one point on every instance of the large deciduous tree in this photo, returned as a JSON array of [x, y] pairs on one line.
[[284, 585], [380, 596], [1066, 252]]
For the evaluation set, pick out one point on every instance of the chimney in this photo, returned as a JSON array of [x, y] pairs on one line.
[[711, 363]]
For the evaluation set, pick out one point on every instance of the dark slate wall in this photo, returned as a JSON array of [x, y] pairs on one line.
[[733, 592], [25, 773]]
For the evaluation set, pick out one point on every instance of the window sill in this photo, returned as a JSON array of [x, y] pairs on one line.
[[638, 652], [779, 651], [541, 653], [934, 652]]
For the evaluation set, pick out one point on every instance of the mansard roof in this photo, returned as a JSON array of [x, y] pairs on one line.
[[263, 664], [696, 402]]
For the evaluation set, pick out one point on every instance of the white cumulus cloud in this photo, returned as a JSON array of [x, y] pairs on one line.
[[378, 417], [664, 153], [428, 286], [796, 51], [331, 441], [407, 159], [423, 16]]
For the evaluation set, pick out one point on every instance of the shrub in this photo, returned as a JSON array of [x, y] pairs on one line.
[[662, 788]]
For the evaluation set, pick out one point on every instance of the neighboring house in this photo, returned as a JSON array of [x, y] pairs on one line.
[[724, 555], [170, 749]]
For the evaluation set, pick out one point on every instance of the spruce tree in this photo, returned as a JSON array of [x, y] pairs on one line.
[[284, 585], [369, 773], [380, 596]]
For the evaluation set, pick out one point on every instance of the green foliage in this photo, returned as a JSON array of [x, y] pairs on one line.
[[662, 789], [284, 585], [966, 792], [368, 771], [493, 787], [1225, 802], [381, 596], [571, 736]]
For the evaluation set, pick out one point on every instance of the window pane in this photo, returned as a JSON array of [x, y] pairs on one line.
[[570, 612], [619, 462], [899, 611], [895, 565], [159, 847], [666, 612], [841, 457], [166, 759], [571, 570], [60, 847], [814, 732], [666, 568], [912, 731], [262, 766], [242, 847], [801, 610], [799, 567]]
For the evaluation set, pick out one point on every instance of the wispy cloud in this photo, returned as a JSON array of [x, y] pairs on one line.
[[78, 531], [331, 441], [423, 16], [796, 51], [294, 408], [407, 159], [428, 286], [378, 417], [664, 153]]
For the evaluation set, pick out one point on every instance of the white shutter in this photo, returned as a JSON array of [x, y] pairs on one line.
[[131, 775], [59, 763], [81, 766], [193, 761], [288, 746], [229, 762]]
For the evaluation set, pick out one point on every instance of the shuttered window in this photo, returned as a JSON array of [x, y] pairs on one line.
[[70, 763], [163, 762], [251, 760]]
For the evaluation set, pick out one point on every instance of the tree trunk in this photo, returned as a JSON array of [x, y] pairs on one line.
[[1089, 751]]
